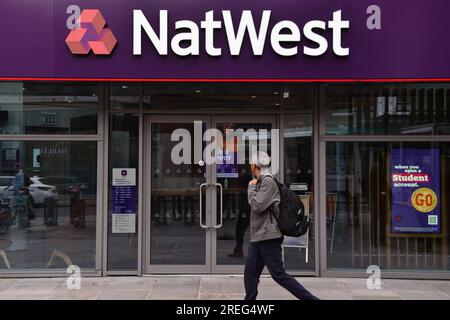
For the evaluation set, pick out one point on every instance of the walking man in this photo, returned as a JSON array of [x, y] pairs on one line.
[[265, 236]]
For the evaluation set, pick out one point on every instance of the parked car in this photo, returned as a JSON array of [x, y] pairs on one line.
[[39, 191], [65, 184]]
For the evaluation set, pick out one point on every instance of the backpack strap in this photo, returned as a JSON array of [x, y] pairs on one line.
[[272, 214], [258, 183], [277, 182]]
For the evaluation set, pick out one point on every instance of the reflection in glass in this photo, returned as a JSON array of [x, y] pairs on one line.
[[48, 204], [363, 209], [123, 153], [48, 108], [124, 96], [197, 96], [403, 109], [176, 234], [299, 176], [296, 97], [234, 176]]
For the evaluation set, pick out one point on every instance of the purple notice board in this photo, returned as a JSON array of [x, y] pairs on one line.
[[415, 191], [124, 200], [227, 166]]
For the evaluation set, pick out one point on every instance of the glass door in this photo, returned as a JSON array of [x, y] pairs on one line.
[[178, 203], [241, 136], [197, 168]]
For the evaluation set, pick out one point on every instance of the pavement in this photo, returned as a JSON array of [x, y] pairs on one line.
[[216, 287]]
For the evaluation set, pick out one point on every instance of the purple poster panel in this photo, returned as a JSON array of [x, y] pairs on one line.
[[415, 191], [227, 166], [124, 200]]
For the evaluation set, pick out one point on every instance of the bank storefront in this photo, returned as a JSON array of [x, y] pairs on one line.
[[108, 110]]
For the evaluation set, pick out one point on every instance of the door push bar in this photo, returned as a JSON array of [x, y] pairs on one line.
[[206, 185]]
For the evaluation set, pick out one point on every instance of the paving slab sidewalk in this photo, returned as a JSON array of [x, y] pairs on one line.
[[216, 287]]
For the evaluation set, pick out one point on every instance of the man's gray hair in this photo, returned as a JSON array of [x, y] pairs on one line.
[[260, 159]]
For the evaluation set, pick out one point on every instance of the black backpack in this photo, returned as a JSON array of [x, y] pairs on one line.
[[292, 220]]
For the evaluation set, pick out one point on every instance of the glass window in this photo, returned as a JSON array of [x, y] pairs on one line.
[[299, 176], [48, 210], [176, 236], [386, 205], [200, 96], [232, 238], [48, 108], [296, 97], [377, 109], [123, 153], [124, 96]]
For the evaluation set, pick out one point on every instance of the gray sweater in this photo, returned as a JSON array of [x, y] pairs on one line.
[[264, 197]]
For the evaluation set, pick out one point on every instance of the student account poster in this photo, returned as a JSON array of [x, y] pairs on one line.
[[415, 190]]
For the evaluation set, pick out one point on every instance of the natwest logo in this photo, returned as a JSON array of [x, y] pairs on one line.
[[285, 36], [90, 33]]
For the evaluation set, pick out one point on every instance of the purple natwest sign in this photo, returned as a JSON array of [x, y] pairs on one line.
[[415, 190], [205, 39]]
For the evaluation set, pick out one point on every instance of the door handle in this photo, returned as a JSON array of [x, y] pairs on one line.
[[218, 226], [204, 226]]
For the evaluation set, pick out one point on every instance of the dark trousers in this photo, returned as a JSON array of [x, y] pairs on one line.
[[268, 253], [242, 224]]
